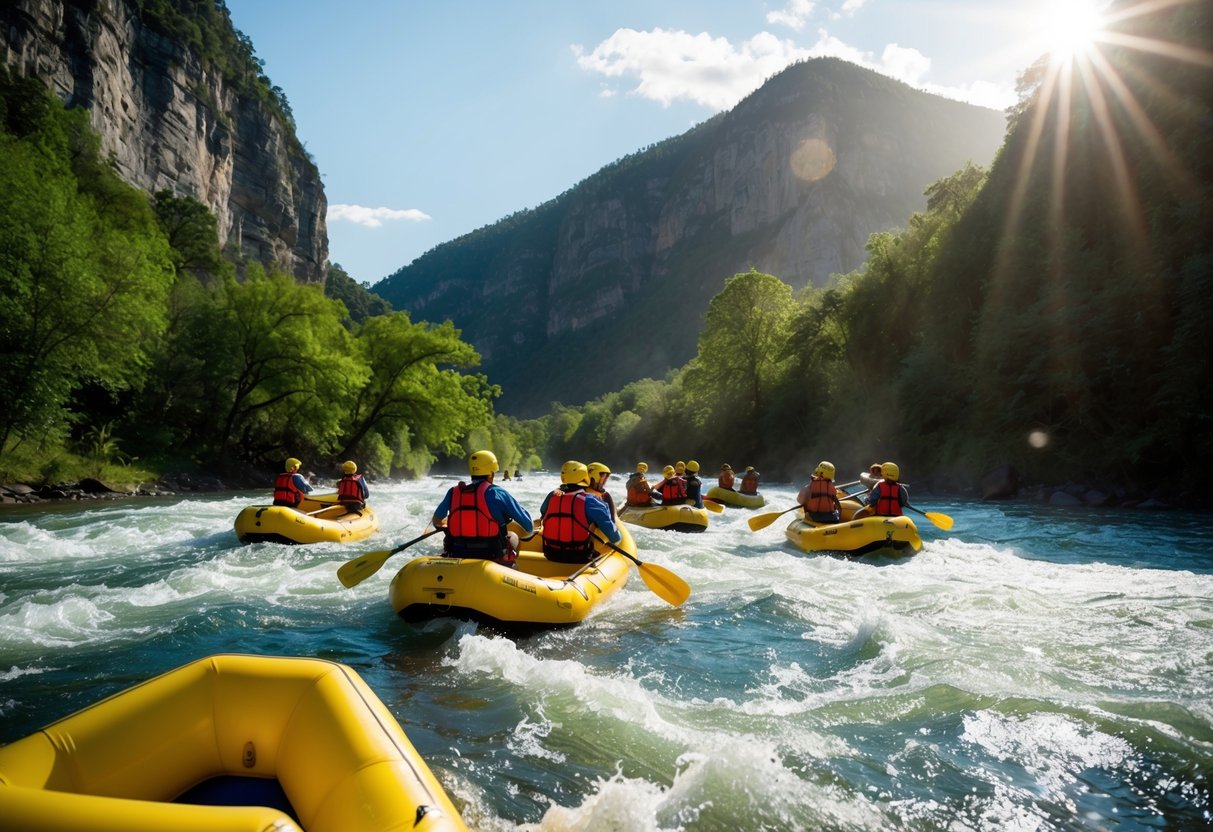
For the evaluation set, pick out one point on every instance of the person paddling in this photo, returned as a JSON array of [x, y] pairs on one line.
[[888, 496], [290, 486], [726, 478], [820, 497], [749, 481], [599, 474], [639, 492], [352, 491], [569, 513], [480, 513]]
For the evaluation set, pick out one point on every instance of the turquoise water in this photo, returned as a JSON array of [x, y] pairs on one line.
[[1032, 669]]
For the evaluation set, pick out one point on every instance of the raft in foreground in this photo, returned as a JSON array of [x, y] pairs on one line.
[[735, 498], [229, 743], [540, 593], [318, 519], [866, 537], [678, 518]]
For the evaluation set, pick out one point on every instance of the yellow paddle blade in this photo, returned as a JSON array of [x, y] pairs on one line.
[[664, 583], [761, 521], [713, 506], [940, 520], [353, 572]]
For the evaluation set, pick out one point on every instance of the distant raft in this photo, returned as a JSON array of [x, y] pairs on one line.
[[319, 519], [678, 518], [539, 593], [866, 537], [735, 498], [228, 743]]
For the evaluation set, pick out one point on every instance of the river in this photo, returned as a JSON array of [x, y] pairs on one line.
[[1031, 669]]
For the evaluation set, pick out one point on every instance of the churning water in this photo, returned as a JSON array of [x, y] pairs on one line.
[[1031, 669]]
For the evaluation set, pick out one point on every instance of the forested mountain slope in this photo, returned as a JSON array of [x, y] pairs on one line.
[[609, 282]]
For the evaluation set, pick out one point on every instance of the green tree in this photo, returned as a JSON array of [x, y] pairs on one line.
[[414, 400], [81, 291], [729, 383]]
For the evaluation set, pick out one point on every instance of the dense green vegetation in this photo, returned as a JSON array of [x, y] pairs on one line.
[[128, 337], [1052, 314], [532, 267]]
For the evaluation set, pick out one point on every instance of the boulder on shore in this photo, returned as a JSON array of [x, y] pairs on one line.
[[1000, 484]]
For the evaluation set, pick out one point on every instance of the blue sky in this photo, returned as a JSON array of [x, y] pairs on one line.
[[429, 120]]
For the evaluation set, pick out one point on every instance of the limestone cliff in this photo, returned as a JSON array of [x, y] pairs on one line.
[[173, 119], [792, 181]]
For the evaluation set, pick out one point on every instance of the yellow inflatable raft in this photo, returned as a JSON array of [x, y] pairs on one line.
[[735, 498], [319, 519], [867, 536], [684, 518], [228, 743], [538, 593]]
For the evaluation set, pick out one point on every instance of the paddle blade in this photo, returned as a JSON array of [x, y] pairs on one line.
[[664, 583], [940, 520], [761, 521], [713, 506], [353, 572]]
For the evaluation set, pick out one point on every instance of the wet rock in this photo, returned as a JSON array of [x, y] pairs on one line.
[[1095, 497], [1000, 484], [1063, 498], [91, 486]]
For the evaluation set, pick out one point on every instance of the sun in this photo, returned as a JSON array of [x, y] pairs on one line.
[[1071, 27]]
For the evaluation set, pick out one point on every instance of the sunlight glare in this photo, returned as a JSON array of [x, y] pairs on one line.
[[1071, 27]]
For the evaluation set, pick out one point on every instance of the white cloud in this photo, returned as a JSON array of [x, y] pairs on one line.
[[672, 66], [668, 66], [373, 217], [851, 6], [795, 15]]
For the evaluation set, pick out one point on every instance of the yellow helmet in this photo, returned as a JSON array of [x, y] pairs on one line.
[[890, 471], [726, 467], [482, 463], [667, 471], [679, 467], [642, 467], [596, 470], [749, 469], [292, 464], [349, 466], [574, 473], [693, 467], [825, 470]]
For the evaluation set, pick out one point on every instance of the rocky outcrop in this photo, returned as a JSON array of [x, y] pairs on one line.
[[170, 121], [792, 181]]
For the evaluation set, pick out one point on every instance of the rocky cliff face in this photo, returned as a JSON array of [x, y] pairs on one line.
[[170, 121], [792, 181]]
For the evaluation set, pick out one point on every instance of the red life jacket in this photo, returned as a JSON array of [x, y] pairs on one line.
[[673, 489], [639, 493], [885, 499], [348, 490], [470, 517], [726, 480], [822, 495], [566, 529], [749, 483], [286, 493]]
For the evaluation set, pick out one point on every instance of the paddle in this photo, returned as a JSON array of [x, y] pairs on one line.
[[941, 520], [712, 505], [322, 508], [761, 521], [664, 583], [353, 572]]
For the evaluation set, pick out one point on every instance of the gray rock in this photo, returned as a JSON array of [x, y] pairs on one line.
[[1061, 498], [1095, 497], [1000, 484]]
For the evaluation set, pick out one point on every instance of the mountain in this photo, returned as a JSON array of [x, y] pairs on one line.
[[609, 282], [180, 103]]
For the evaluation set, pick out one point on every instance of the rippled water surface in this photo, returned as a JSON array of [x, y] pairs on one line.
[[1031, 669]]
